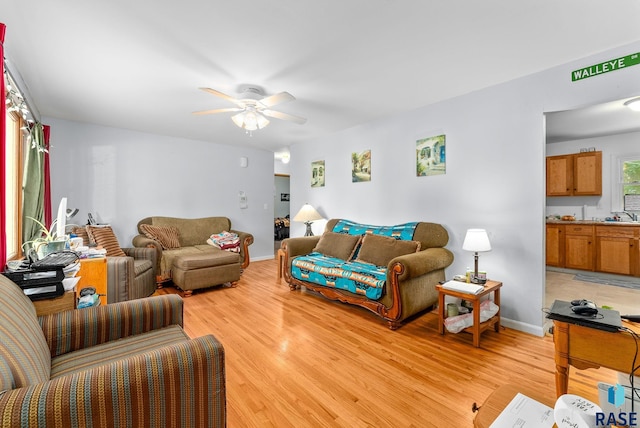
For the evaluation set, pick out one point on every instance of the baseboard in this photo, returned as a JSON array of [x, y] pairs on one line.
[[261, 258], [523, 327]]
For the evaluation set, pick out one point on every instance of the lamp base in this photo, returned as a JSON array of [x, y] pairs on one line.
[[476, 280], [308, 232]]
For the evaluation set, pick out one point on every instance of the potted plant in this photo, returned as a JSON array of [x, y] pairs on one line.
[[49, 241]]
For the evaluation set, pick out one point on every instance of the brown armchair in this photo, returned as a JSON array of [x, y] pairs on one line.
[[131, 272], [125, 364]]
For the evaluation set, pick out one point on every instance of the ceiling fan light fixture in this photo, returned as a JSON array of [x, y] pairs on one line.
[[250, 120], [633, 104]]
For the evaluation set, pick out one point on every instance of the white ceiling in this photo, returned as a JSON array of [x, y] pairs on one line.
[[138, 64], [599, 120]]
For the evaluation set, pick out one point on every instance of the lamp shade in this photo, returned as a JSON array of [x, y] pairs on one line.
[[476, 240], [307, 213]]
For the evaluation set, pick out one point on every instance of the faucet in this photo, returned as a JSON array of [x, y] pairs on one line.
[[632, 216]]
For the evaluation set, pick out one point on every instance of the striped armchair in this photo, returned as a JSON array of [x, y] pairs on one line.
[[120, 365]]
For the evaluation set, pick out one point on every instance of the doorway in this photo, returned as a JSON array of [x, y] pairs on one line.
[[281, 214], [612, 128]]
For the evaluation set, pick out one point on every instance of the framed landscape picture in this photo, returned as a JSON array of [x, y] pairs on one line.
[[361, 166], [431, 156], [317, 174]]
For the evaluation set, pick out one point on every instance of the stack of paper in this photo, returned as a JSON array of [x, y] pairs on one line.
[[463, 287], [524, 411]]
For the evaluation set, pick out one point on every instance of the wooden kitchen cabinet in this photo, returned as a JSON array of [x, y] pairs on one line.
[[578, 174], [617, 250], [578, 247], [555, 245]]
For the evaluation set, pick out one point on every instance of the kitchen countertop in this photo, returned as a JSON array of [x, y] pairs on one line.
[[596, 222]]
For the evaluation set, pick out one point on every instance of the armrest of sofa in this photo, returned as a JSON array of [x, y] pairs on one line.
[[417, 264], [81, 328], [299, 246], [246, 239], [181, 384], [141, 241]]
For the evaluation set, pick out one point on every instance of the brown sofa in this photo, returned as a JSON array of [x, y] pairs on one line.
[[191, 263], [409, 280]]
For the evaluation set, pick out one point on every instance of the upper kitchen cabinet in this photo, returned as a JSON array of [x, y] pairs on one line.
[[578, 174]]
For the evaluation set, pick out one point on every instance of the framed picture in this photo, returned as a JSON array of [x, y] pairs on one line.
[[317, 174], [361, 166], [431, 156], [284, 197]]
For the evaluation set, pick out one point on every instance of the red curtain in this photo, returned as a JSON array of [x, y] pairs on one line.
[[3, 155], [47, 177]]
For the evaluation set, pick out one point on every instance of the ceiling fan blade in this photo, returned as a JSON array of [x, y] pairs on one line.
[[219, 110], [225, 96], [284, 116], [276, 99]]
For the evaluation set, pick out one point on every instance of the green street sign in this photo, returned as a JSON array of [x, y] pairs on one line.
[[605, 67]]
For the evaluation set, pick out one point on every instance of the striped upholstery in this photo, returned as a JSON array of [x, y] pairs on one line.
[[73, 330], [106, 353], [182, 385], [133, 276], [25, 354], [143, 372]]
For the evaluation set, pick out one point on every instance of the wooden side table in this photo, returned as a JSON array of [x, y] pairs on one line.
[[477, 328], [65, 302], [93, 273]]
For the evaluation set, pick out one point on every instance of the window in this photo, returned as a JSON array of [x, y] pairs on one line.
[[13, 179], [17, 116], [627, 182]]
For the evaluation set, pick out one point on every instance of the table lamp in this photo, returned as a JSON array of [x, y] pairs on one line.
[[307, 215], [476, 240]]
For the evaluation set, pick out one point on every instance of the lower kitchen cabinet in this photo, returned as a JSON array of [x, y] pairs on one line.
[[578, 247], [617, 250], [609, 249], [555, 245]]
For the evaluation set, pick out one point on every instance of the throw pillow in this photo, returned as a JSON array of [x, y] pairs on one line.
[[168, 237], [104, 237], [380, 250], [82, 233], [339, 245]]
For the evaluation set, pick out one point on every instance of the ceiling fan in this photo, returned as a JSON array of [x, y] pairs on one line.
[[253, 106]]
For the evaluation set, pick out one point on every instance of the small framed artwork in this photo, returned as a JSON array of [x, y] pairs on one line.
[[361, 166], [284, 197], [317, 173], [431, 156]]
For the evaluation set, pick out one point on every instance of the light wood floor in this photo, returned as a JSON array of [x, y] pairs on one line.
[[295, 359], [562, 286]]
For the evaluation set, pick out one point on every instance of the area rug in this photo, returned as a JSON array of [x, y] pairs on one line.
[[631, 283]]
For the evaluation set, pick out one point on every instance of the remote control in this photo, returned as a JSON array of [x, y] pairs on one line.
[[634, 318]]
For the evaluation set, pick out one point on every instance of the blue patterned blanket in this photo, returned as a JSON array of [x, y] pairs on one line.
[[403, 231], [352, 276], [356, 277]]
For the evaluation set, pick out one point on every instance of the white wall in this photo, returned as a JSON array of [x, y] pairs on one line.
[[494, 178], [597, 206], [124, 176]]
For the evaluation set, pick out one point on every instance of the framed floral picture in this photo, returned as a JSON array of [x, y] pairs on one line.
[[431, 156]]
